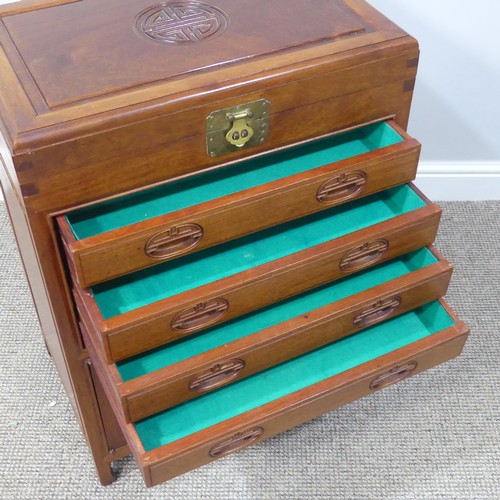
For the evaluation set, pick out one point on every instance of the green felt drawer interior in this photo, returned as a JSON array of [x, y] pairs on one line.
[[292, 376], [204, 187], [171, 278], [273, 315]]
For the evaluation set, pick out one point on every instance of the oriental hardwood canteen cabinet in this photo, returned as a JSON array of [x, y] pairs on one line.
[[214, 207]]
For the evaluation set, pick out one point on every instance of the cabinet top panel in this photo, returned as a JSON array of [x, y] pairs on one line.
[[66, 60], [88, 49]]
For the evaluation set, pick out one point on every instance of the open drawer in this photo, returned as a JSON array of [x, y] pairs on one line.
[[163, 378], [155, 306], [231, 418], [143, 229]]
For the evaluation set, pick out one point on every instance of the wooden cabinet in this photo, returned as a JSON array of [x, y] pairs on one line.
[[214, 206]]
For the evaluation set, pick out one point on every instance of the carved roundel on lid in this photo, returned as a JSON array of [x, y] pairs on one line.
[[181, 22]]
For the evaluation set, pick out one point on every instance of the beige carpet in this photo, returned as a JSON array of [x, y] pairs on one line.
[[434, 436]]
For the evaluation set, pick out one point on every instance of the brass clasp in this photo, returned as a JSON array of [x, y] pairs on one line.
[[242, 126], [241, 131]]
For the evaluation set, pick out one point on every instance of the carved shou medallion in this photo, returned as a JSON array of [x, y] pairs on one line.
[[181, 22]]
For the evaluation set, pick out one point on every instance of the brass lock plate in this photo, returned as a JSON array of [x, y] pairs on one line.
[[242, 126]]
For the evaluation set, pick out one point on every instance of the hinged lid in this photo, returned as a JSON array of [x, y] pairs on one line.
[[71, 61], [89, 49], [98, 98]]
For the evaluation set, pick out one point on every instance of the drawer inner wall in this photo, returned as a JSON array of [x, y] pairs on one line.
[[208, 186], [247, 325], [171, 278], [292, 376]]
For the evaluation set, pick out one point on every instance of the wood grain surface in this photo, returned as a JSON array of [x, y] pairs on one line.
[[149, 326], [169, 386], [115, 253], [180, 456], [81, 124]]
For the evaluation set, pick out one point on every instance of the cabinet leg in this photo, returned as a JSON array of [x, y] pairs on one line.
[[106, 476], [108, 436], [38, 243]]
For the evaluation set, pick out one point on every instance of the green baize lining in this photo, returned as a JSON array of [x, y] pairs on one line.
[[292, 376], [168, 198], [243, 326], [191, 271]]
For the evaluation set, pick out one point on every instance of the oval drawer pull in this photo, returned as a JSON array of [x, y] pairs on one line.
[[237, 442], [363, 256], [174, 241], [342, 187], [396, 374], [201, 315], [377, 312], [217, 376]]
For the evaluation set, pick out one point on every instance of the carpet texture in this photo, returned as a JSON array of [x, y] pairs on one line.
[[435, 436]]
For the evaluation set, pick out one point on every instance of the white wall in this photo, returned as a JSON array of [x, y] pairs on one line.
[[456, 110]]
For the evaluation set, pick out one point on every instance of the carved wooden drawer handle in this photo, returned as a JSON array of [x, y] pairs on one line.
[[377, 312], [396, 374], [174, 241], [236, 442], [200, 316], [341, 188], [363, 256], [217, 376]]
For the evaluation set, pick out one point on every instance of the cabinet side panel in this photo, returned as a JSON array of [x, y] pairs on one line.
[[46, 279], [22, 234]]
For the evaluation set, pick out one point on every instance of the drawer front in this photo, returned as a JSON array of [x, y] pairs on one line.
[[167, 320], [138, 245], [198, 375], [218, 440], [304, 411]]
